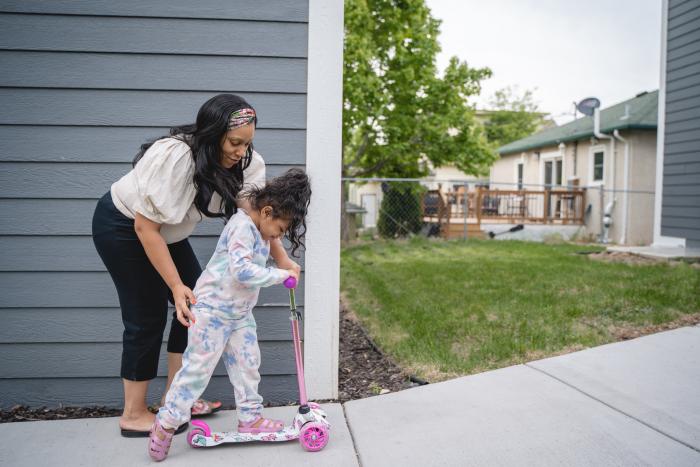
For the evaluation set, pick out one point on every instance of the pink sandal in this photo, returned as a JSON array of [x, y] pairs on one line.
[[261, 425], [158, 448]]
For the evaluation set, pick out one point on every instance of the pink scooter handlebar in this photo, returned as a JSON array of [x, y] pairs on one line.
[[290, 282]]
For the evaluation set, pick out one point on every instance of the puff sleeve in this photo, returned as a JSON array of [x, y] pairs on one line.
[[164, 180], [254, 174]]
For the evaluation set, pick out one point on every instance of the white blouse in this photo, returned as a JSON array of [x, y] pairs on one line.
[[161, 188]]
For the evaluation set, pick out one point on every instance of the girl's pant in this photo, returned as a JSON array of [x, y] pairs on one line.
[[213, 335], [143, 295]]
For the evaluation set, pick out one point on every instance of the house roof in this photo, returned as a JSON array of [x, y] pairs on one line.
[[641, 114]]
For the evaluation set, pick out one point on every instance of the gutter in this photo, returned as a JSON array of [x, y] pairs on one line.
[[625, 185], [607, 215]]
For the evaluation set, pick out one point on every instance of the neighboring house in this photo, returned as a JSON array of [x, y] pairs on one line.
[[83, 85], [570, 155], [446, 178], [677, 216]]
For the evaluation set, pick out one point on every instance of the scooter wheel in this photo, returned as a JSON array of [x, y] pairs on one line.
[[203, 425], [313, 436], [200, 428], [190, 436]]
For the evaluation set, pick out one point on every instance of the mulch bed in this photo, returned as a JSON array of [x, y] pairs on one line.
[[364, 371], [20, 413]]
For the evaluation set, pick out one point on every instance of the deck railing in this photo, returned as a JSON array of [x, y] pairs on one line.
[[547, 206]]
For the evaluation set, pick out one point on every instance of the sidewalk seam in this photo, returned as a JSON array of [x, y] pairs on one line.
[[352, 437], [614, 408]]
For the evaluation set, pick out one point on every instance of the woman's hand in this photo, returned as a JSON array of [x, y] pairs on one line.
[[183, 297]]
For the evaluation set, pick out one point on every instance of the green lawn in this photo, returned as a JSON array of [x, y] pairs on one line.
[[443, 309]]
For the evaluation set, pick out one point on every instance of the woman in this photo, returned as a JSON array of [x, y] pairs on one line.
[[140, 229]]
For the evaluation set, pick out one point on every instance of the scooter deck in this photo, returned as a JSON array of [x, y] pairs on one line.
[[288, 433]]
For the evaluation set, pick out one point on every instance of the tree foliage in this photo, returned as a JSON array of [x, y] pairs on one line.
[[514, 117], [400, 214], [398, 112]]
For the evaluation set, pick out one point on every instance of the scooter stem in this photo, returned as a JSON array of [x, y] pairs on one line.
[[294, 317], [300, 363]]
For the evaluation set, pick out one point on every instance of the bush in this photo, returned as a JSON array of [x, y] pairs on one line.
[[400, 212]]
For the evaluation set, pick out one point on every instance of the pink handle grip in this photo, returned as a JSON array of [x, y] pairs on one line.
[[290, 282]]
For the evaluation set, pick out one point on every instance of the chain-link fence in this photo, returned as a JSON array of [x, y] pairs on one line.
[[456, 209]]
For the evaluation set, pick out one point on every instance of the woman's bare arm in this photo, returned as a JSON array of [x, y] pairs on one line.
[[158, 254]]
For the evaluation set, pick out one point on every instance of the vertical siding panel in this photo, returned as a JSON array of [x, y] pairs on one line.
[[682, 118], [96, 95]]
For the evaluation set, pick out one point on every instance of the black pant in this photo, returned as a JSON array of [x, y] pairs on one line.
[[143, 295]]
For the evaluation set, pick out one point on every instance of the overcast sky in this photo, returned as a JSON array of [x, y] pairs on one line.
[[566, 49]]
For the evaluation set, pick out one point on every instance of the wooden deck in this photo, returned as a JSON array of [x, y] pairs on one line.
[[456, 227], [460, 212]]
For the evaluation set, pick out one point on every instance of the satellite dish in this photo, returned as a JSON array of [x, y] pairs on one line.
[[588, 105]]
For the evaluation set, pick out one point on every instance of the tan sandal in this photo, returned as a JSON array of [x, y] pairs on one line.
[[201, 408]]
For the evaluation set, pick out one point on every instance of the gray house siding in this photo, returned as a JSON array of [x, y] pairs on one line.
[[83, 84], [680, 210]]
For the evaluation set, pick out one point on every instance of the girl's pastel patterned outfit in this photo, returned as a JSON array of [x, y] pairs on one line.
[[226, 293]]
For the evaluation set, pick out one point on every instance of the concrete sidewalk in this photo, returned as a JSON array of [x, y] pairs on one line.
[[629, 403], [96, 442]]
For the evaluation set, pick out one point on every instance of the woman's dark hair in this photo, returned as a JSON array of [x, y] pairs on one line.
[[289, 196], [204, 138]]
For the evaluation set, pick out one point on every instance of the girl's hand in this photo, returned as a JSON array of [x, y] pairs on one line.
[[183, 297], [293, 273], [291, 265]]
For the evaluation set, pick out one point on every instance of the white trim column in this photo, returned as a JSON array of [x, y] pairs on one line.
[[323, 164], [659, 240]]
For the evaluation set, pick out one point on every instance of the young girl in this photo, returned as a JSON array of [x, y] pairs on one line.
[[221, 322]]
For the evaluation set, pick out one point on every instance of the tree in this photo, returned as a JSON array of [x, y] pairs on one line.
[[513, 117], [400, 214], [397, 111]]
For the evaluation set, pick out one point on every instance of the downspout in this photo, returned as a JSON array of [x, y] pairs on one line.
[[625, 185], [607, 215]]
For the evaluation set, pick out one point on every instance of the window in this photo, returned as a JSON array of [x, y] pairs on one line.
[[598, 166], [559, 163], [553, 169], [520, 175]]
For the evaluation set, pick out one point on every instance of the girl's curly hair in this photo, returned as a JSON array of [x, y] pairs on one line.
[[289, 196]]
